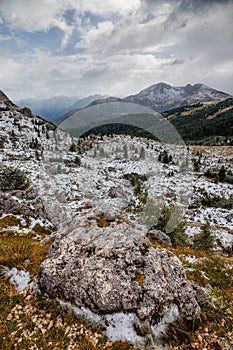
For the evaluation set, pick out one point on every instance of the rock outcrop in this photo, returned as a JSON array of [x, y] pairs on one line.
[[26, 203], [115, 269]]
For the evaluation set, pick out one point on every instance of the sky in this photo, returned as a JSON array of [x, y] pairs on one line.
[[114, 47]]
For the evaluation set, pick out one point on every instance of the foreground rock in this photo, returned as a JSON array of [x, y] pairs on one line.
[[115, 269]]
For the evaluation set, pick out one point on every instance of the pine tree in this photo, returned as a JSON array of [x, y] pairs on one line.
[[125, 150], [204, 240], [142, 154], [222, 174]]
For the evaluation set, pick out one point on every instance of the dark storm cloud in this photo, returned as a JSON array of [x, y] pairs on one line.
[[176, 61], [192, 7], [188, 5], [199, 5]]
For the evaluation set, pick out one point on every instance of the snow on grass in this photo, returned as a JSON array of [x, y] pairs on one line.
[[119, 326], [160, 329], [64, 189], [191, 259], [20, 279]]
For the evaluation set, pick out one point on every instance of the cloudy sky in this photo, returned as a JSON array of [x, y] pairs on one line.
[[114, 47]]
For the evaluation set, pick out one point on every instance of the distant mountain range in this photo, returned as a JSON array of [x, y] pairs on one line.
[[199, 113], [161, 96], [52, 108], [209, 122]]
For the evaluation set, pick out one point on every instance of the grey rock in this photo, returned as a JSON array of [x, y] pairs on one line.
[[115, 269], [202, 298], [27, 204], [61, 196], [157, 236], [113, 192]]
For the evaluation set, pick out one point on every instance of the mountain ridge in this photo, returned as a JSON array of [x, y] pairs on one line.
[[162, 96], [157, 95], [52, 108]]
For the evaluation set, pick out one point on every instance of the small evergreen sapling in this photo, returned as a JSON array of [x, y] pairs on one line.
[[13, 179]]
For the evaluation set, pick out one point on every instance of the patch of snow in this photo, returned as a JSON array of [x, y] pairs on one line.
[[82, 312], [191, 259], [190, 269], [121, 327], [192, 230], [225, 237], [160, 329], [204, 275], [20, 279], [228, 266]]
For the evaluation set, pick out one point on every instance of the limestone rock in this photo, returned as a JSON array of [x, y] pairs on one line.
[[157, 236], [113, 192], [27, 205], [115, 269]]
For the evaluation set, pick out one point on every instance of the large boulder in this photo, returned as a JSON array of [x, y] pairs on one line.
[[115, 269]]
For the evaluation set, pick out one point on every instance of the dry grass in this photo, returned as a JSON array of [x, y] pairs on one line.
[[140, 278], [102, 222], [32, 322], [213, 327], [17, 250]]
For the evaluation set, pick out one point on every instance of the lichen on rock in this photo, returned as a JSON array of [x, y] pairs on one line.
[[99, 267]]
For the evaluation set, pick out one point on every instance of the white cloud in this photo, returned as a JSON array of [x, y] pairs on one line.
[[108, 7], [31, 15], [34, 15], [132, 45]]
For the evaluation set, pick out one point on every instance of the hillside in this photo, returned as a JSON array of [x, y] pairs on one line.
[[135, 236], [210, 124], [207, 124]]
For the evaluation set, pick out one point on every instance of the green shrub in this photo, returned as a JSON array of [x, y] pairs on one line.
[[217, 202], [72, 147], [222, 174], [177, 235], [164, 157], [133, 178], [77, 160], [13, 179]]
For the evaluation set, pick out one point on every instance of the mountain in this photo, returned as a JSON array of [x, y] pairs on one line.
[[85, 102], [51, 108], [207, 116], [4, 100], [162, 96]]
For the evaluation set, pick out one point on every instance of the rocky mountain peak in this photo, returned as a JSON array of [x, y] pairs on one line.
[[4, 98]]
